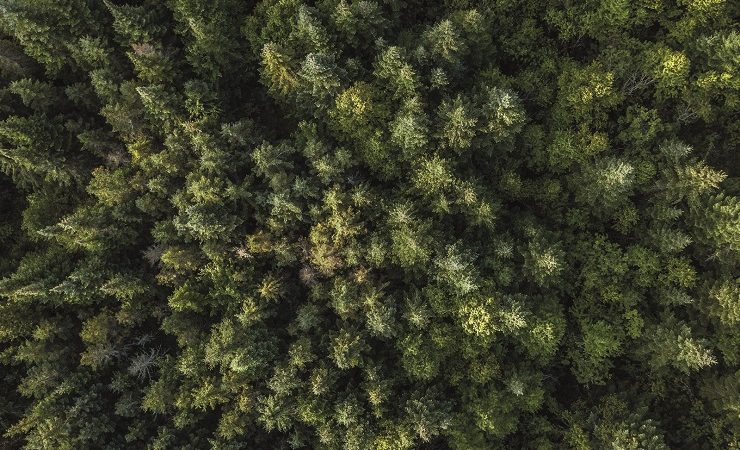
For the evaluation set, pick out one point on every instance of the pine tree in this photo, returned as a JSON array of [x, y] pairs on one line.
[[362, 224]]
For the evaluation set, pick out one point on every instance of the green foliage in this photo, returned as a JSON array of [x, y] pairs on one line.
[[362, 224]]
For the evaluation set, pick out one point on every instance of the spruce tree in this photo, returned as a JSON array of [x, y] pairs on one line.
[[355, 224]]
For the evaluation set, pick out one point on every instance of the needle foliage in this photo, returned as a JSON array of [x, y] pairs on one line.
[[369, 224]]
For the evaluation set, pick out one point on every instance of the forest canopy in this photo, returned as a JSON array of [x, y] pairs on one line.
[[369, 224]]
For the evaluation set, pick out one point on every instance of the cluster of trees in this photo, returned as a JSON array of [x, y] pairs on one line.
[[369, 224]]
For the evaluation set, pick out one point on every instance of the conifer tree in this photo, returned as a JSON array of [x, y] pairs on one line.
[[363, 224]]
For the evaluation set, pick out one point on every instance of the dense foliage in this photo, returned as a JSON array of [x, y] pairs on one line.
[[373, 224]]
